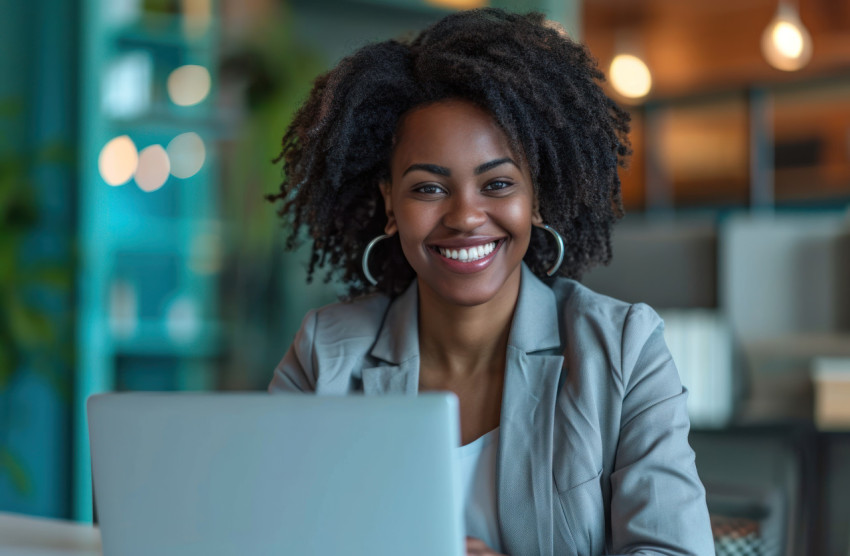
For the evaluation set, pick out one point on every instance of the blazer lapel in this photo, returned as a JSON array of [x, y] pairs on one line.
[[398, 346], [524, 473]]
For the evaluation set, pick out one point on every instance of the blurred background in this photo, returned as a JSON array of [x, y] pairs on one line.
[[137, 251]]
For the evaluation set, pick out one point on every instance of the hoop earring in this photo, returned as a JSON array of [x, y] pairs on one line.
[[365, 261], [559, 241]]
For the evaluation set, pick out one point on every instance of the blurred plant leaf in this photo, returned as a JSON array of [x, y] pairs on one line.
[[7, 362], [28, 333], [10, 106], [16, 472], [30, 327], [56, 152], [55, 276]]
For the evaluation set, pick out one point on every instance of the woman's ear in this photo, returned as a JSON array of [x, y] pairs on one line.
[[386, 192], [536, 219]]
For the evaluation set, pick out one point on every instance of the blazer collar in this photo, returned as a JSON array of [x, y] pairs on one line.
[[398, 339], [398, 345], [535, 324]]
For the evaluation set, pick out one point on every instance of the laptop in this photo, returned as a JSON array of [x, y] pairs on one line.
[[260, 474]]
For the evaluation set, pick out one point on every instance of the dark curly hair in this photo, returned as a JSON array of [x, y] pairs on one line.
[[540, 87]]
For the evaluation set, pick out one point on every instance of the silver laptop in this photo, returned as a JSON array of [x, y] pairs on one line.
[[261, 474]]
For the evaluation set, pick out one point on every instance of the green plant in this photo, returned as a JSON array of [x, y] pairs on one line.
[[29, 337]]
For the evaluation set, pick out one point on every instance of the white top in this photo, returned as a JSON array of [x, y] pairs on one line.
[[477, 462]]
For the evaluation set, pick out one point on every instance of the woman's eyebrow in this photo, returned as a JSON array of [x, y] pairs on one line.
[[493, 163], [443, 171], [432, 168]]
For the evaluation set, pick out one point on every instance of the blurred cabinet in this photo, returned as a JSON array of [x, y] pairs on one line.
[[148, 217]]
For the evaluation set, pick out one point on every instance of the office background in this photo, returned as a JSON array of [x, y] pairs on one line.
[[137, 251]]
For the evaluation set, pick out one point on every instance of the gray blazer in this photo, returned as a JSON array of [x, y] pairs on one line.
[[593, 455]]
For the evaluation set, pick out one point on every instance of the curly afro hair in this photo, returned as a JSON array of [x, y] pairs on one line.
[[540, 87]]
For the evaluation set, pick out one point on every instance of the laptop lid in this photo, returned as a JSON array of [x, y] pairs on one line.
[[259, 474]]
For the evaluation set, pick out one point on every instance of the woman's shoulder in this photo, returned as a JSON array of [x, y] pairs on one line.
[[330, 346], [580, 307], [361, 317], [577, 300]]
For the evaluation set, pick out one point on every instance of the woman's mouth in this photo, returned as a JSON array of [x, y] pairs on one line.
[[468, 254], [469, 258]]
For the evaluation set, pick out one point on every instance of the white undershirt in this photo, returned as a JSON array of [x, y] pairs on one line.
[[477, 462]]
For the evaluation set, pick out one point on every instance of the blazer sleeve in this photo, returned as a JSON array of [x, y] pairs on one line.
[[658, 502], [296, 371]]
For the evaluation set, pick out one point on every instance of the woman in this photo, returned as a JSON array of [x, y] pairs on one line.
[[449, 177]]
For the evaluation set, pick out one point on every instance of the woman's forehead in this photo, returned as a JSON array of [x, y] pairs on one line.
[[450, 130]]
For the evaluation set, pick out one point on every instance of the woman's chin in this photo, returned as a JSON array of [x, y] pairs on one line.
[[468, 290]]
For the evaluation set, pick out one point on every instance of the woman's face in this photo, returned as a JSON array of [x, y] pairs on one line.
[[461, 202]]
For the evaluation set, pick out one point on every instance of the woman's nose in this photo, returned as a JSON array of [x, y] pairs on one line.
[[464, 213]]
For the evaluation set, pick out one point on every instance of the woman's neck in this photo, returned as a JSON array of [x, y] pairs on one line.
[[459, 342]]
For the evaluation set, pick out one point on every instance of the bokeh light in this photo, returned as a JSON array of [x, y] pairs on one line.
[[118, 160], [785, 43], [788, 39], [153, 169], [186, 153], [183, 321], [188, 85], [458, 4], [630, 76]]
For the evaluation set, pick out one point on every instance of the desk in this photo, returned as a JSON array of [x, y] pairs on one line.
[[34, 536]]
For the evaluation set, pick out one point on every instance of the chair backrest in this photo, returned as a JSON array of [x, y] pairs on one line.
[[759, 486]]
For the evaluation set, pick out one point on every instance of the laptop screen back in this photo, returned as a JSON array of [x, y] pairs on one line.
[[253, 474]]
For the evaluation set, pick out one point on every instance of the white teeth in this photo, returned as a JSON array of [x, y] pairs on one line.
[[469, 254]]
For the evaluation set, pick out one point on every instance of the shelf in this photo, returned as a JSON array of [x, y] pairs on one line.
[[152, 338], [159, 235], [165, 120], [802, 345], [162, 31]]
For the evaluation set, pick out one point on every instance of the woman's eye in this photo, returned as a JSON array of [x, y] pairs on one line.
[[497, 185], [429, 189]]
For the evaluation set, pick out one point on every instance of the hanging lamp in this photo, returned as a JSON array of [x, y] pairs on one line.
[[785, 42]]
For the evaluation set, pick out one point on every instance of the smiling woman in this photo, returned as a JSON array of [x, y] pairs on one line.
[[451, 176]]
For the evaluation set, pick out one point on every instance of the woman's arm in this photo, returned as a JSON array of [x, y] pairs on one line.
[[658, 502]]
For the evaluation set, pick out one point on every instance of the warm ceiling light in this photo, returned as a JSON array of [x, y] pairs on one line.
[[153, 169], [186, 153], [785, 43], [458, 4], [629, 76], [188, 85], [118, 160]]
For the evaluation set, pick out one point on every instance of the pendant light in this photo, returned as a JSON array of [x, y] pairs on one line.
[[785, 42], [629, 74]]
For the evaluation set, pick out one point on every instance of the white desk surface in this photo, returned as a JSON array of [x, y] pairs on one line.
[[22, 535]]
